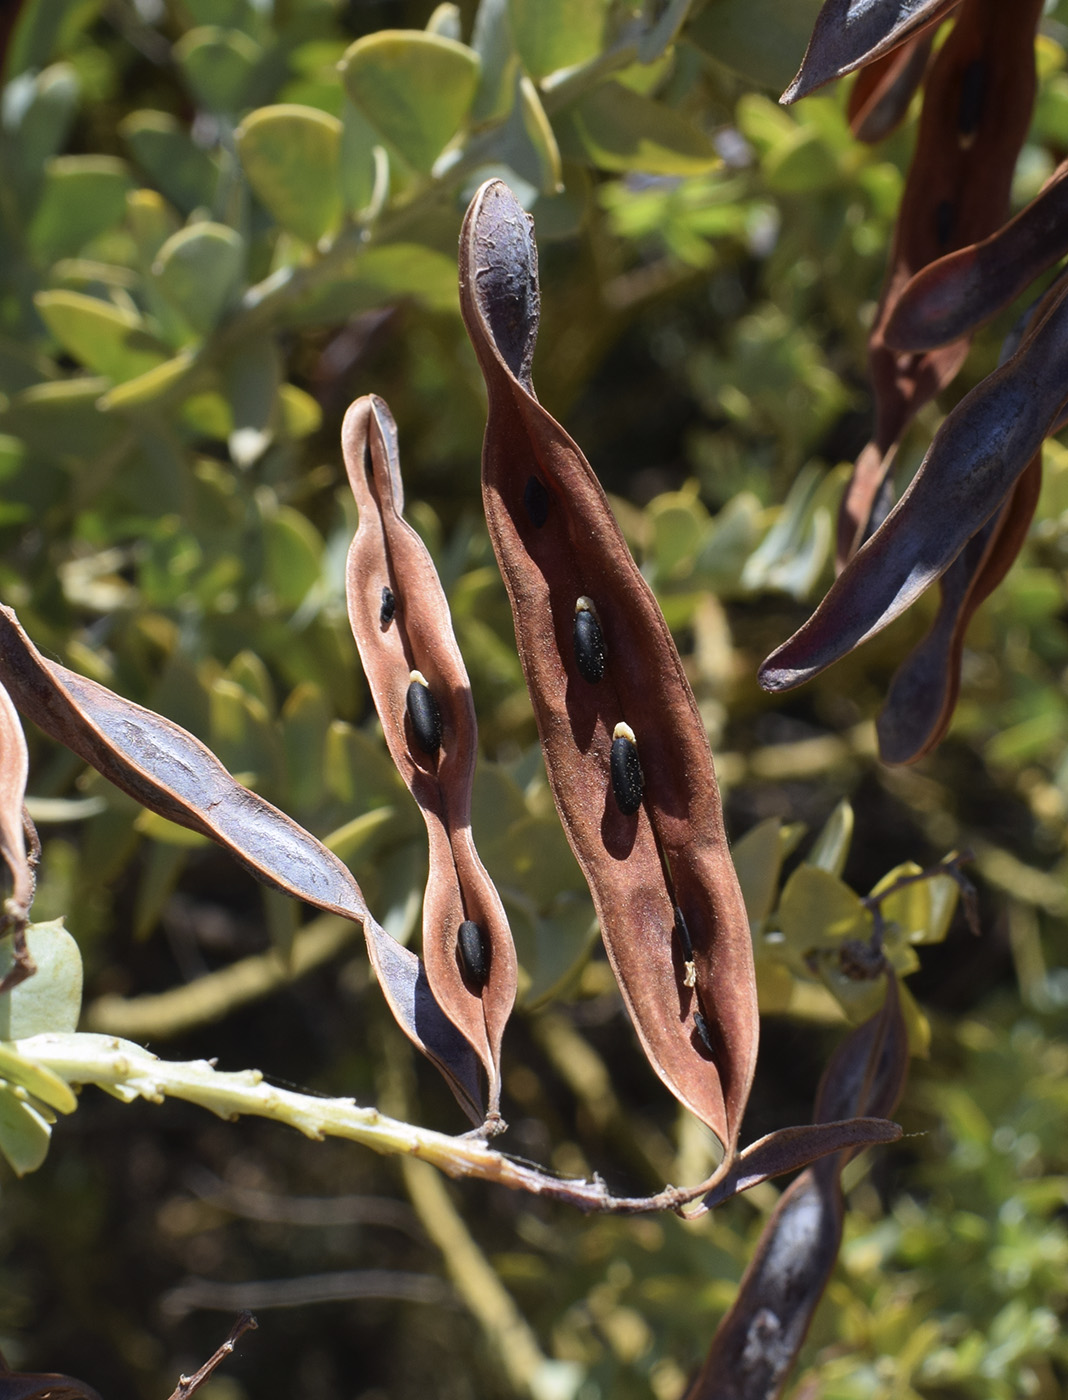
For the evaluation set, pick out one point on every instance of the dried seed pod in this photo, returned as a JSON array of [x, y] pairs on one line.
[[799, 1245], [424, 713], [982, 448], [420, 689], [628, 781], [589, 642], [851, 33], [923, 693], [879, 99], [959, 292], [170, 772], [388, 608], [672, 849], [957, 193], [474, 955]]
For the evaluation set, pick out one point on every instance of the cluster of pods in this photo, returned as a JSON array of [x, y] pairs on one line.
[[954, 263]]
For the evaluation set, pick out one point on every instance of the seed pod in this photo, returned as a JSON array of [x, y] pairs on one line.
[[799, 1245], [982, 448], [957, 193], [626, 768], [474, 955], [671, 849], [956, 294], [923, 693], [388, 608], [589, 642], [847, 35], [536, 500], [170, 772], [879, 99], [424, 713]]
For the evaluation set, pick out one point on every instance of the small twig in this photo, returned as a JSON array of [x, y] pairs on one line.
[[188, 1384], [949, 866], [23, 965]]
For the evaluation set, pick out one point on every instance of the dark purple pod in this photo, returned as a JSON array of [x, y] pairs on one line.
[[424, 714], [628, 781], [589, 642], [388, 608], [474, 955]]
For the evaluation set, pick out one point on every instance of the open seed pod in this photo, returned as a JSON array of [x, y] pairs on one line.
[[625, 748], [402, 626]]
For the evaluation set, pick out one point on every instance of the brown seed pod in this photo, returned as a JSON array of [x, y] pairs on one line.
[[672, 850], [422, 694], [976, 110], [757, 1342], [879, 99], [167, 770]]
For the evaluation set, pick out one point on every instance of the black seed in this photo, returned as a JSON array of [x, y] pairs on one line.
[[474, 955], [424, 714], [388, 608], [589, 642], [536, 500], [701, 1026], [626, 769], [683, 935], [945, 218], [972, 93]]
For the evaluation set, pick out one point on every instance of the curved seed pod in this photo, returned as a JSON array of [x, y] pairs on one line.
[[167, 770], [850, 33], [422, 694], [672, 850], [981, 449], [976, 111], [956, 294], [757, 1342], [880, 97], [923, 693], [14, 768]]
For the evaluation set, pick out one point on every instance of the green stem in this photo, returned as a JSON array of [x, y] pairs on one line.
[[129, 1072]]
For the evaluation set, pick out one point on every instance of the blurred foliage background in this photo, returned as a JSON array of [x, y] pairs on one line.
[[220, 221]]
